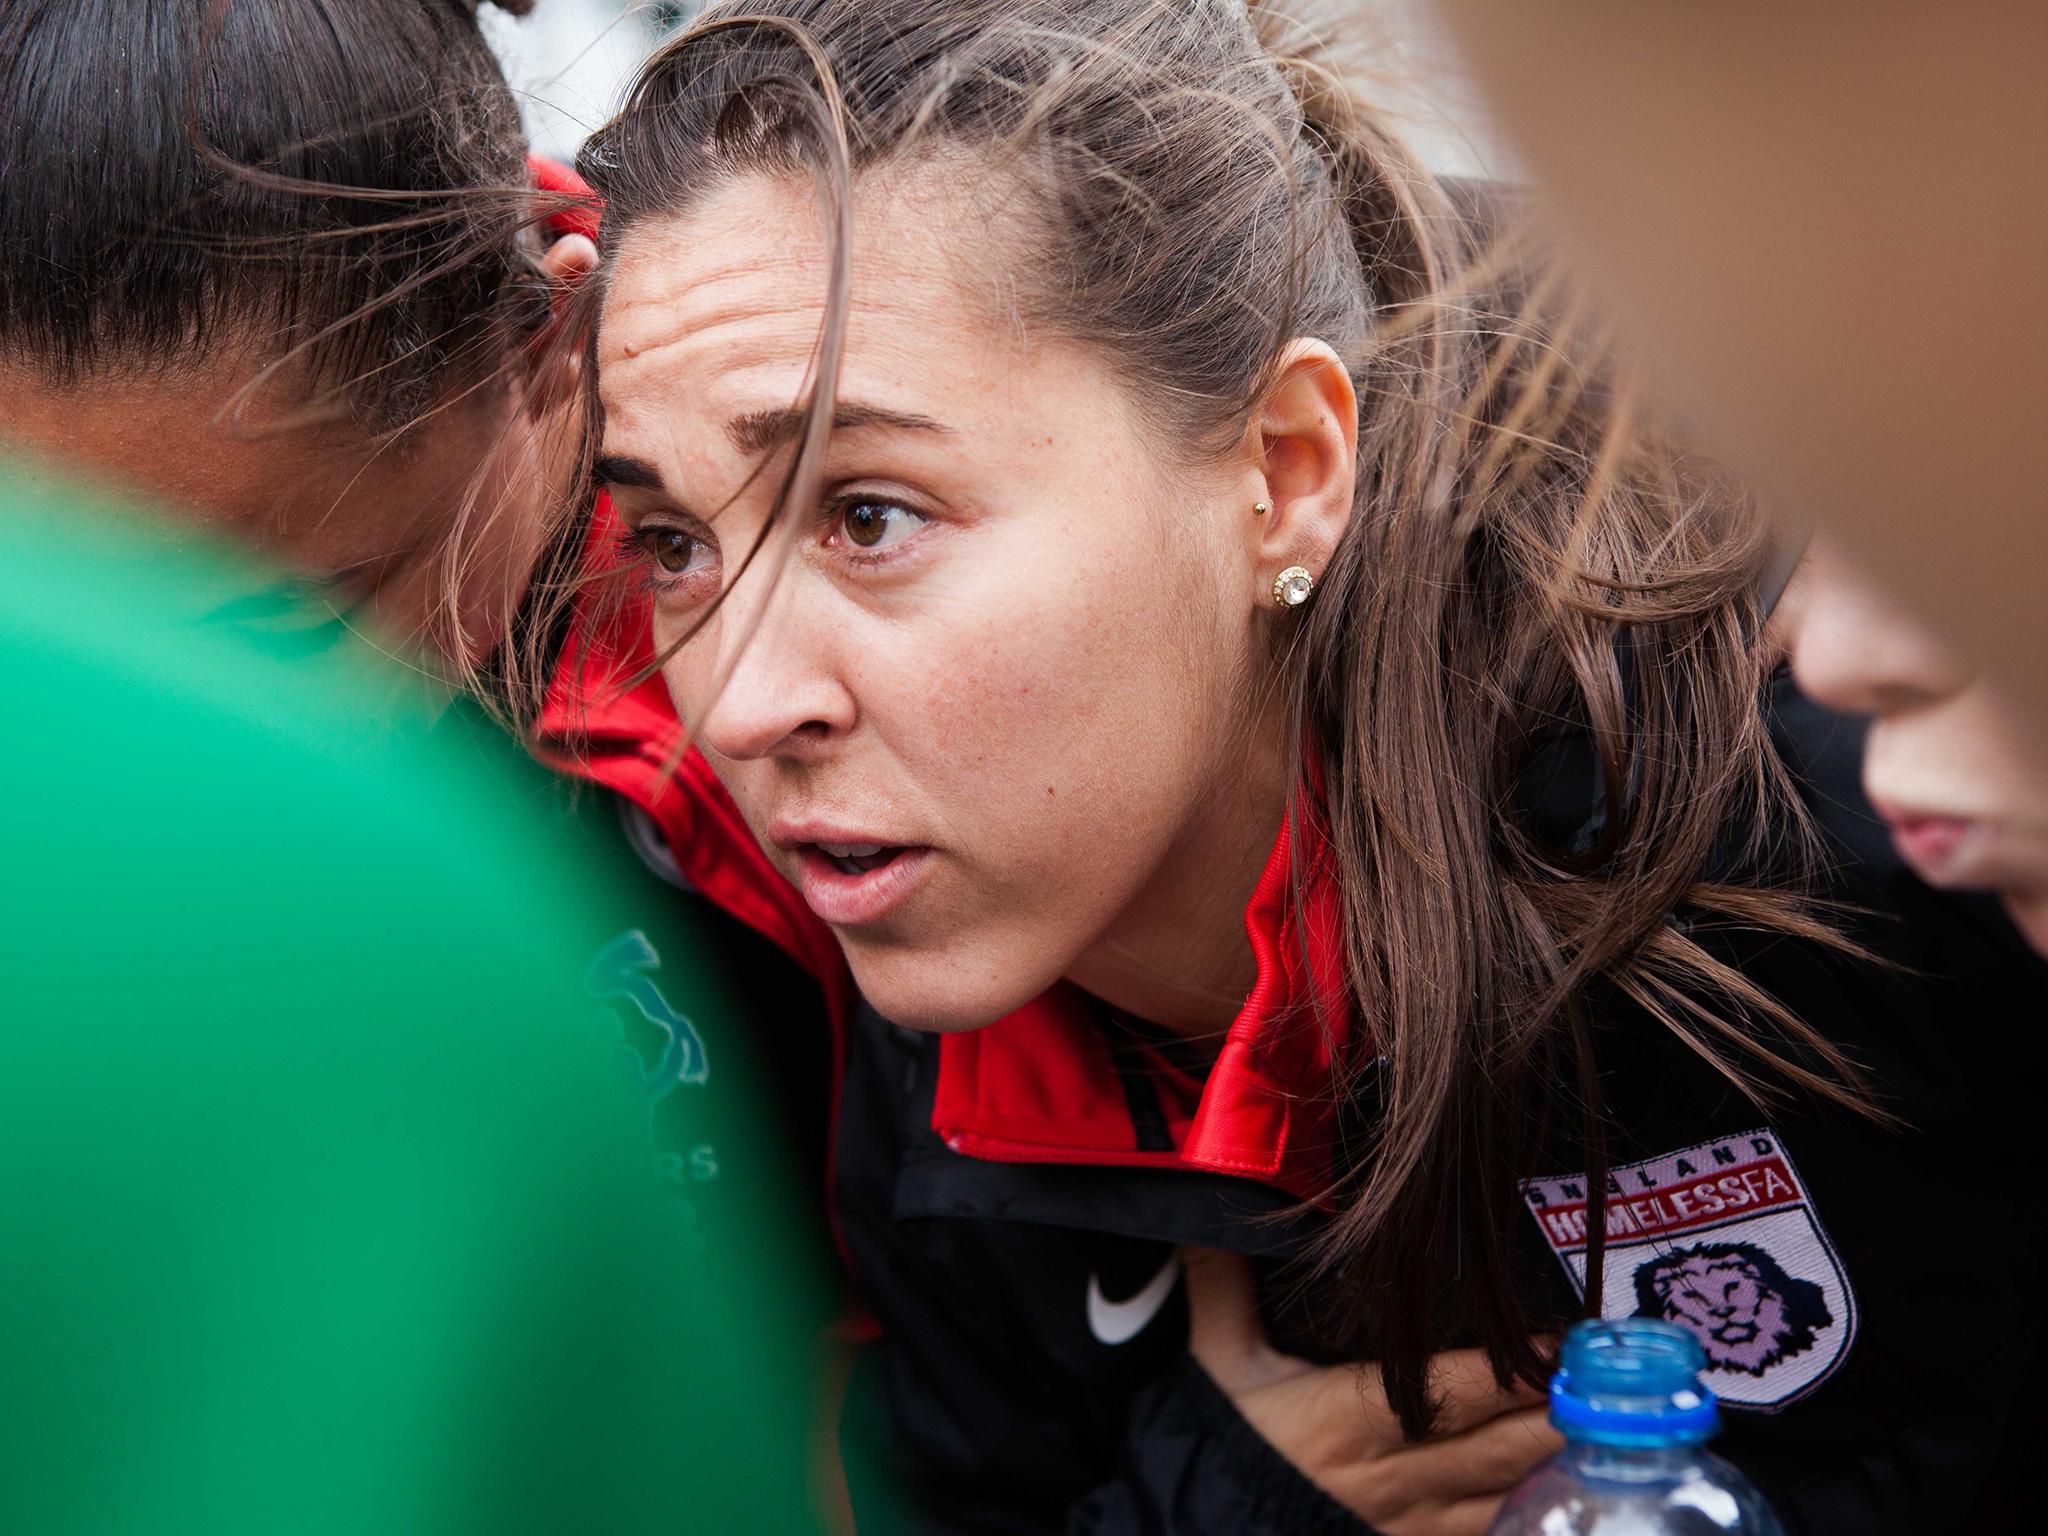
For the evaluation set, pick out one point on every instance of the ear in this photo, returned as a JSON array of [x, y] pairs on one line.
[[567, 262], [1303, 441], [551, 368]]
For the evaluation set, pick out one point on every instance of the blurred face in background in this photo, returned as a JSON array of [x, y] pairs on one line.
[[1760, 188], [1950, 767]]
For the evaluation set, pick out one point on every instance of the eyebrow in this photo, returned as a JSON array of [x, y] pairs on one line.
[[623, 470], [759, 431]]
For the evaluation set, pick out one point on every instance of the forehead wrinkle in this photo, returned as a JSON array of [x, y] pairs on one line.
[[775, 328], [773, 337], [715, 313], [676, 283], [693, 319], [750, 349], [655, 323], [791, 279], [676, 264]]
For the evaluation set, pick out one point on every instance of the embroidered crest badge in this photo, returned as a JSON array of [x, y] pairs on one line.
[[1720, 1238]]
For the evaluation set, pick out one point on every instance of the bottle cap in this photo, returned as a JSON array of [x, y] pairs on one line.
[[1633, 1381]]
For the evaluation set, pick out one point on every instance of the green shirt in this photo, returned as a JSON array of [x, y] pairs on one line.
[[326, 1201]]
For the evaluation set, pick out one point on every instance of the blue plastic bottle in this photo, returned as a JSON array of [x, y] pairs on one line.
[[1636, 1418]]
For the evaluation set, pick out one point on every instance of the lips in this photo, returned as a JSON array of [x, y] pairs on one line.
[[849, 881], [1930, 844], [1940, 846], [857, 858]]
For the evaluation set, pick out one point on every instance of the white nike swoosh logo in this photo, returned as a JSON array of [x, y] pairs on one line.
[[1118, 1322]]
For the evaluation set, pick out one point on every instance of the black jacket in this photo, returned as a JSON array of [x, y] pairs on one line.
[[1867, 1295]]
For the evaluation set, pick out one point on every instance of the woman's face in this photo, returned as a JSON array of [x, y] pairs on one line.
[[1949, 766], [989, 713]]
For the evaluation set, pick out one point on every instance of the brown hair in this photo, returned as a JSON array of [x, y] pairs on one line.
[[1530, 562]]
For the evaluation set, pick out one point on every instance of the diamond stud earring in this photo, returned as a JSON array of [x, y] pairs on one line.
[[1292, 586]]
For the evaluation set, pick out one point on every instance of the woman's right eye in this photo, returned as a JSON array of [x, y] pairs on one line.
[[672, 554], [670, 548]]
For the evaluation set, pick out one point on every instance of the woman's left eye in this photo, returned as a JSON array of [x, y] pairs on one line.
[[870, 524]]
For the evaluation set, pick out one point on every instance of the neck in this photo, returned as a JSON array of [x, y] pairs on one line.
[[1177, 956], [322, 501]]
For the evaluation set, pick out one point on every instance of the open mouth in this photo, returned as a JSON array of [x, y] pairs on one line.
[[858, 858], [849, 884]]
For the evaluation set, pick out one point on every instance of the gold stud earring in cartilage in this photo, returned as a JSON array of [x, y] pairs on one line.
[[1261, 508]]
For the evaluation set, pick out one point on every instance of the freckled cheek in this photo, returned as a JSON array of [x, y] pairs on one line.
[[689, 671], [966, 712], [1027, 743]]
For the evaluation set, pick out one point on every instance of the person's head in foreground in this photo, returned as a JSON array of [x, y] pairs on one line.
[[274, 262], [1063, 450], [1949, 765], [330, 1206]]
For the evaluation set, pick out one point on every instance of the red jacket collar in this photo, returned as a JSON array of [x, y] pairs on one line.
[[1041, 1085]]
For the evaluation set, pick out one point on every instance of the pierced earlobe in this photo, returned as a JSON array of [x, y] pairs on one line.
[[1261, 508], [1292, 586]]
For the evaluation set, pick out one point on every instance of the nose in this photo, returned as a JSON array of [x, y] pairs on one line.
[[783, 693], [1854, 649]]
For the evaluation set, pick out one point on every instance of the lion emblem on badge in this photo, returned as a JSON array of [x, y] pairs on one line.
[[1748, 1313], [1722, 1238]]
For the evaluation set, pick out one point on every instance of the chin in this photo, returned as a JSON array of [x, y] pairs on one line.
[[939, 990]]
